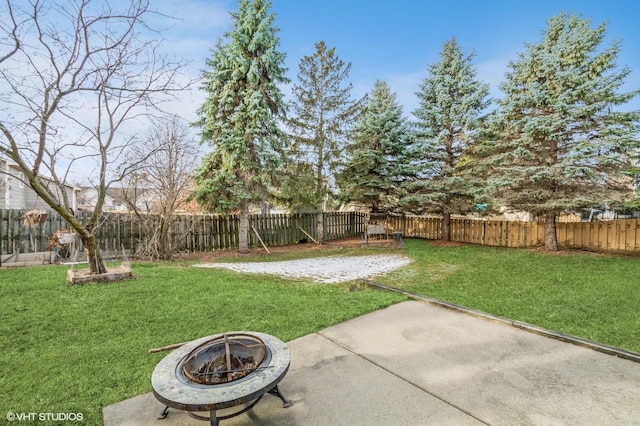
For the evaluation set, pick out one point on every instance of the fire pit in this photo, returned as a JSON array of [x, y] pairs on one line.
[[229, 372]]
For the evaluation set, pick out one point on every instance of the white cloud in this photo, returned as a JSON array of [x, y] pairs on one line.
[[199, 17], [192, 27], [405, 85], [492, 72]]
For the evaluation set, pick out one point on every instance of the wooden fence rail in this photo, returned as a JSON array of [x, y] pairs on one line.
[[189, 233]]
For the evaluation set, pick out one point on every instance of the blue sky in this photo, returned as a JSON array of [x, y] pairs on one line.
[[392, 40], [396, 40]]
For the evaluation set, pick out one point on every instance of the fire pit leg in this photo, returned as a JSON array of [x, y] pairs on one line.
[[164, 413], [214, 419], [285, 402]]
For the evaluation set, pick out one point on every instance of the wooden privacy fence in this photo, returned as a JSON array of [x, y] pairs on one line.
[[213, 232], [122, 231], [617, 235], [614, 235], [116, 231], [474, 231], [204, 232]]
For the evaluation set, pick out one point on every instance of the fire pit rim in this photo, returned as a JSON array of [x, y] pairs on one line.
[[171, 389]]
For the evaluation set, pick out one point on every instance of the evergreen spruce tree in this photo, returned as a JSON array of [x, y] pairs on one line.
[[322, 117], [557, 143], [451, 101], [379, 156], [240, 116]]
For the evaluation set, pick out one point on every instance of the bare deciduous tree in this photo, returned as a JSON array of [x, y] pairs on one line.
[[161, 184], [75, 78]]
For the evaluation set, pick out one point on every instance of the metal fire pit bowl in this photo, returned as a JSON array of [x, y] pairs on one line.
[[175, 389]]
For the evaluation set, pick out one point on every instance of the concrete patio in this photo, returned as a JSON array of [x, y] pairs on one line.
[[418, 363]]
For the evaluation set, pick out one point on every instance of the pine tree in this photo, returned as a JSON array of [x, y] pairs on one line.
[[323, 113], [557, 144], [240, 116], [379, 156], [451, 101]]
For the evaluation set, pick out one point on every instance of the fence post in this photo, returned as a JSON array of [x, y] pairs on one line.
[[1, 234]]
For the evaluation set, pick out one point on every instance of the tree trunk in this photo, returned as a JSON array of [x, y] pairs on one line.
[[167, 248], [446, 226], [163, 239], [94, 255], [550, 237], [243, 231], [320, 226]]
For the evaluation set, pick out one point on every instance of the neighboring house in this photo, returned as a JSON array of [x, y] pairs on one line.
[[514, 215], [15, 192], [116, 199], [113, 200]]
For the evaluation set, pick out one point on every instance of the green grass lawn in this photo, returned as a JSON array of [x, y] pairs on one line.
[[79, 348], [592, 296]]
